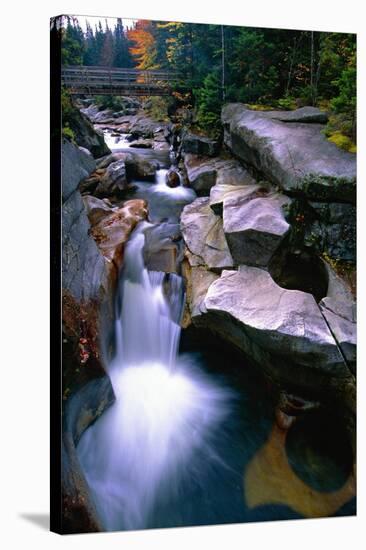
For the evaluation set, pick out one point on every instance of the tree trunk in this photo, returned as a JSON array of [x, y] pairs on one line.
[[292, 61], [312, 66], [223, 63]]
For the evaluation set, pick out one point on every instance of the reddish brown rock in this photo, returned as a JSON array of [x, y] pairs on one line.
[[172, 179], [112, 232], [283, 420]]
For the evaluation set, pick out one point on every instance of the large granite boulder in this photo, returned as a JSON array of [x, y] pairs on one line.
[[83, 267], [205, 172], [136, 166], [112, 231], [232, 172], [304, 114], [144, 126], [141, 168], [198, 280], [87, 289], [221, 193], [339, 310], [163, 250], [95, 115], [114, 180], [86, 135], [296, 156], [204, 236], [201, 173], [248, 305], [199, 145], [104, 162], [76, 166], [142, 143], [79, 514], [172, 178], [97, 209], [332, 229], [127, 106], [254, 229]]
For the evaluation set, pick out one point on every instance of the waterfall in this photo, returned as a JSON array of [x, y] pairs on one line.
[[166, 408], [146, 325]]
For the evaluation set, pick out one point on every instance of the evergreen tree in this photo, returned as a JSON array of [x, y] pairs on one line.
[[90, 54], [122, 56], [99, 42], [72, 49], [210, 103], [274, 67], [107, 52]]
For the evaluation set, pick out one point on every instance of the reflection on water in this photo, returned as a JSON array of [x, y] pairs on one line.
[[269, 478]]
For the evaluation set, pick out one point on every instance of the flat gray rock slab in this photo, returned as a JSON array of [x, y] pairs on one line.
[[254, 229], [114, 179], [345, 333], [204, 236], [201, 173], [222, 192], [204, 172], [339, 310], [304, 114], [284, 322], [200, 280], [76, 166], [199, 145], [297, 157], [232, 172]]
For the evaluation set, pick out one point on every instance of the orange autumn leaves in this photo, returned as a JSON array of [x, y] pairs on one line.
[[149, 38], [144, 49]]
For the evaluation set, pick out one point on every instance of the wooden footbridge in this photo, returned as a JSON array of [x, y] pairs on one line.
[[95, 80]]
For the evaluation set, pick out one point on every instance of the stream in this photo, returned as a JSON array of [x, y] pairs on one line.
[[191, 438]]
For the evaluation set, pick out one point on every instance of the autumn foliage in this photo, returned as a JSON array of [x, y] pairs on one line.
[[144, 45]]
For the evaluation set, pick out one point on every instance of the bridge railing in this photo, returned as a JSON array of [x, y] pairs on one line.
[[97, 78]]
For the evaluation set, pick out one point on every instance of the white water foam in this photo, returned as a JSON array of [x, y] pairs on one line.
[[166, 409], [115, 142], [182, 193]]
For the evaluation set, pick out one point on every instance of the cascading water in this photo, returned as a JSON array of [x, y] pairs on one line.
[[166, 409]]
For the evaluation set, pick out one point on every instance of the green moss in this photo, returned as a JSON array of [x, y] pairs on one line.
[[323, 104], [68, 133], [287, 103], [342, 141], [340, 130], [259, 107]]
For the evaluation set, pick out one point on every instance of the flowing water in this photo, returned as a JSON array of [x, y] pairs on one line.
[[165, 411], [184, 444]]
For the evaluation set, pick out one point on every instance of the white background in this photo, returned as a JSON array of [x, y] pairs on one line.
[[24, 214]]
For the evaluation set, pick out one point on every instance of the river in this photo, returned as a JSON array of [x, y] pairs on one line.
[[191, 438]]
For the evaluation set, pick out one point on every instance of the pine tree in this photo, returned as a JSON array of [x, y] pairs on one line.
[[72, 49], [90, 55], [107, 52], [99, 42], [122, 56]]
